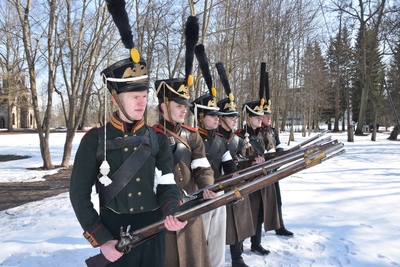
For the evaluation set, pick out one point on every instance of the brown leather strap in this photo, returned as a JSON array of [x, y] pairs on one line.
[[118, 101], [176, 136]]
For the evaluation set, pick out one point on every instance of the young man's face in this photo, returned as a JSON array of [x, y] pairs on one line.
[[230, 122], [211, 122], [266, 120], [134, 104], [178, 112], [255, 121]]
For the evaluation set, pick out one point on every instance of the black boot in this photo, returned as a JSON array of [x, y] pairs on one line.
[[282, 231], [258, 248], [239, 263]]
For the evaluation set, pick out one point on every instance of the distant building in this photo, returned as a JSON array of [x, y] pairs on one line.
[[16, 106]]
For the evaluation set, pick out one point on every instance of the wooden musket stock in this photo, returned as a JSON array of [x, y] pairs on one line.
[[131, 239]]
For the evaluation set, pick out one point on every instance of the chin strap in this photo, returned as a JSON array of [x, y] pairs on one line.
[[121, 108], [226, 124], [166, 102]]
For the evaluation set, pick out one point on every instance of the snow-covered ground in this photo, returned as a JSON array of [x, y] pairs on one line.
[[344, 212]]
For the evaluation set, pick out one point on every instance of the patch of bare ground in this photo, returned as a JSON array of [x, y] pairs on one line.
[[16, 194]]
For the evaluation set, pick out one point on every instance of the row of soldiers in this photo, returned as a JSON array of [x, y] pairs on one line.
[[143, 168], [225, 149]]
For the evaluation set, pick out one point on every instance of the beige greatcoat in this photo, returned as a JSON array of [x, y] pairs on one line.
[[188, 247], [239, 220], [266, 194]]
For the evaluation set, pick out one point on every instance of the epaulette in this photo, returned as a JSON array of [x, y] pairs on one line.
[[158, 130], [220, 134], [239, 132], [92, 129], [192, 129]]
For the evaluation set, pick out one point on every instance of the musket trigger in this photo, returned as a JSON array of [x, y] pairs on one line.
[[186, 197]]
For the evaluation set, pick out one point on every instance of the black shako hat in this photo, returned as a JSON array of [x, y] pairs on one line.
[[254, 108], [174, 89], [177, 89], [206, 105], [126, 76]]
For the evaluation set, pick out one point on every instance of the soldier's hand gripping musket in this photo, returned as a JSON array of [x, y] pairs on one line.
[[128, 240]]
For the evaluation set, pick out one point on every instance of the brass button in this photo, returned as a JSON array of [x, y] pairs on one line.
[[141, 208], [126, 149], [138, 179], [130, 195], [205, 140], [139, 194], [134, 149], [181, 179], [131, 209], [179, 169]]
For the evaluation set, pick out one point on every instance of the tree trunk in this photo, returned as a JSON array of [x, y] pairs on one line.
[[364, 95], [10, 117], [68, 147], [350, 133], [30, 53], [394, 133]]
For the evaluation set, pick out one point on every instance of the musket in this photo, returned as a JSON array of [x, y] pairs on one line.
[[128, 240], [227, 181], [277, 154], [270, 155]]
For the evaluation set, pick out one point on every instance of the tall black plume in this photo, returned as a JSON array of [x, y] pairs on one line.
[[121, 20], [192, 37]]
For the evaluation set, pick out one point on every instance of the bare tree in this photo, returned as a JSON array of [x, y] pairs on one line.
[[315, 86], [81, 39], [366, 13], [33, 28]]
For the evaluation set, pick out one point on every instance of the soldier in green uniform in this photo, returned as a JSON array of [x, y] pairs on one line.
[[137, 187], [141, 195], [239, 221]]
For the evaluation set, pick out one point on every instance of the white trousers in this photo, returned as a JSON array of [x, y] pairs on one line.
[[215, 229]]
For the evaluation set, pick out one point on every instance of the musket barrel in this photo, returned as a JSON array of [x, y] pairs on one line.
[[300, 161], [249, 173]]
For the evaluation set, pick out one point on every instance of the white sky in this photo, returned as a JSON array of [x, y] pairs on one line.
[[344, 212]]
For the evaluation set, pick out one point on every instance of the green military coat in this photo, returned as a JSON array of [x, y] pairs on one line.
[[140, 195]]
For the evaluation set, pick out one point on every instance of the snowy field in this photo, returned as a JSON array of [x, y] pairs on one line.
[[344, 212]]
